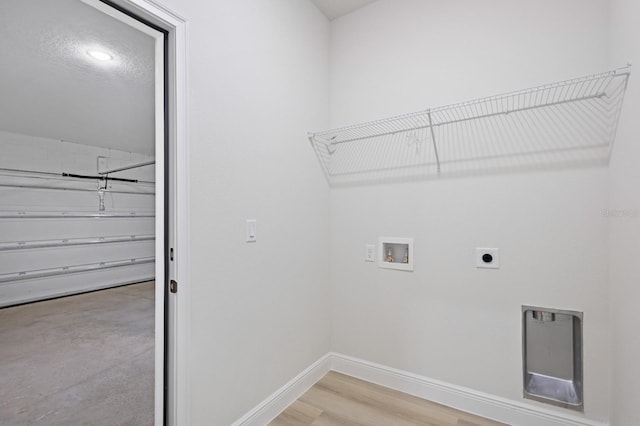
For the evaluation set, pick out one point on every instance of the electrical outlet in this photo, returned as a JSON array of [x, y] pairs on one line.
[[370, 253], [488, 258]]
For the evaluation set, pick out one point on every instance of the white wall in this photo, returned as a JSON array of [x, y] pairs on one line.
[[402, 56], [624, 223], [448, 320], [258, 81], [53, 156]]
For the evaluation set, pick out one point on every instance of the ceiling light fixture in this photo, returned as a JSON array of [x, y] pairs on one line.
[[99, 55]]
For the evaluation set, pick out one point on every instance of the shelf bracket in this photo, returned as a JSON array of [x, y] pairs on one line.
[[329, 145], [433, 139]]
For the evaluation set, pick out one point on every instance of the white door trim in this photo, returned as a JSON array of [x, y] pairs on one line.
[[178, 324]]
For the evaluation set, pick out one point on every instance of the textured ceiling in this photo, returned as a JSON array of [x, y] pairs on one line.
[[51, 88], [336, 8]]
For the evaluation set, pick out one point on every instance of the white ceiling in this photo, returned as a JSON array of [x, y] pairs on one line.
[[336, 8], [51, 88]]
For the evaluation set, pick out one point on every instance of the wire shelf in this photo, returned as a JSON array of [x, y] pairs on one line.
[[571, 122]]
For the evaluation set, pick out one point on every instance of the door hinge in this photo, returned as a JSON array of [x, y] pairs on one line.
[[173, 286], [171, 254]]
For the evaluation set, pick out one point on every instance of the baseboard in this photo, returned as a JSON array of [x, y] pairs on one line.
[[277, 402], [464, 399]]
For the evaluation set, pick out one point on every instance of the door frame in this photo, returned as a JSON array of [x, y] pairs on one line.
[[172, 210]]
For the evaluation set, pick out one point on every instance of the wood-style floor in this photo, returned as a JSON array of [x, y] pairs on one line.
[[342, 400]]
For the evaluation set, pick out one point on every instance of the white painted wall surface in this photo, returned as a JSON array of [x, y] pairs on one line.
[[448, 320], [624, 223], [259, 312], [53, 156], [394, 57]]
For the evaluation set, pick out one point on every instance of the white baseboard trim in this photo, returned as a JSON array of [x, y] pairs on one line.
[[277, 402], [464, 399], [504, 410]]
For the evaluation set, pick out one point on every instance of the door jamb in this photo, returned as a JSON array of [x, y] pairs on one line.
[[175, 409]]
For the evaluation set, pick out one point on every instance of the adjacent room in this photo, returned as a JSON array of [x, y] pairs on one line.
[[388, 211], [77, 219]]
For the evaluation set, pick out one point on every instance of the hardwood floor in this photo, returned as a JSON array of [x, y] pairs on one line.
[[342, 400]]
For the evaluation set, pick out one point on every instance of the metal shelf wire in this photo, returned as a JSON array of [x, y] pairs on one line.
[[571, 122]]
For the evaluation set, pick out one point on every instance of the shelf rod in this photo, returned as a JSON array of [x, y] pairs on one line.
[[55, 188], [132, 166], [64, 270], [67, 215], [493, 114], [68, 242], [433, 138]]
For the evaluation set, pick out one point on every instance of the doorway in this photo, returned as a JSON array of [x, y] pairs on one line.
[[112, 175]]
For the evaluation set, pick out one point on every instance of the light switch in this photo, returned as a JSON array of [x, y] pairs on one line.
[[252, 228], [370, 252]]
